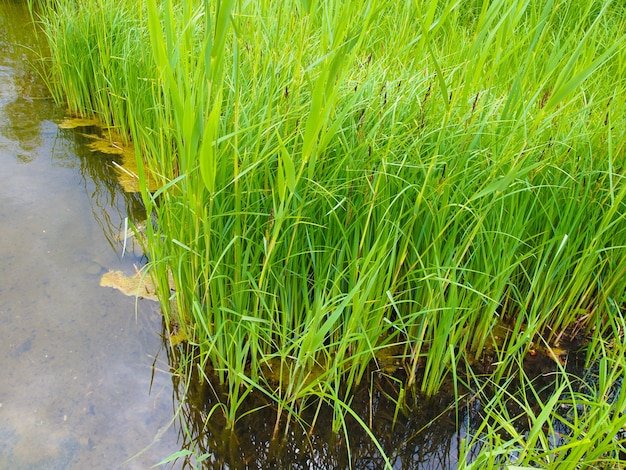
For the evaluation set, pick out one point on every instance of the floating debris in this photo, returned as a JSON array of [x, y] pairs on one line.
[[106, 146], [556, 354], [177, 336], [127, 173], [138, 285], [113, 143], [73, 123]]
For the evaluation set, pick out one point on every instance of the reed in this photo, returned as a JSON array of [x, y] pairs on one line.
[[577, 424], [342, 177]]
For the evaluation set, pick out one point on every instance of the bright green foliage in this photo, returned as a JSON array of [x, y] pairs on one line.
[[340, 176], [581, 424]]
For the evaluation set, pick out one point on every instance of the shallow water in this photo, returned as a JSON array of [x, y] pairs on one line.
[[77, 389]]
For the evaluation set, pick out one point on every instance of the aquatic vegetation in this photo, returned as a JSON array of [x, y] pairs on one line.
[[137, 285], [335, 179], [578, 421], [73, 123]]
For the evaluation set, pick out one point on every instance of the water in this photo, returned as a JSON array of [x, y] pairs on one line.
[[77, 386]]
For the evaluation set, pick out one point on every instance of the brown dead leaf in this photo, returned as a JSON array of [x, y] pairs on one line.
[[558, 355]]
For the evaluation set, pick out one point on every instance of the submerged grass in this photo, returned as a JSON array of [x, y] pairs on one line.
[[341, 177]]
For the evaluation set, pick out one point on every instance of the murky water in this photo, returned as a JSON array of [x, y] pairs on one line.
[[77, 387]]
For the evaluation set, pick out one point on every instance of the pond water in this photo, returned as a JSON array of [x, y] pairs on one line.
[[78, 388]]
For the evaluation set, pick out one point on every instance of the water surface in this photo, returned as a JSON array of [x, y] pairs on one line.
[[77, 389]]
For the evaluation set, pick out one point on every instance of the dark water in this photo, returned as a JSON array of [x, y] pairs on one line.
[[426, 435], [77, 384]]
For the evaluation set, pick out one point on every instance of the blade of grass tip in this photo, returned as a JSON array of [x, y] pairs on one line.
[[208, 158], [565, 237], [610, 155], [564, 85], [288, 165], [224, 9], [175, 456], [125, 235]]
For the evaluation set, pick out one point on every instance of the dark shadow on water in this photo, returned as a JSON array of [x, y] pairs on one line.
[[428, 433]]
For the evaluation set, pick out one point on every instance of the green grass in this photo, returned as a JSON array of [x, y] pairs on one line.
[[338, 177], [579, 422]]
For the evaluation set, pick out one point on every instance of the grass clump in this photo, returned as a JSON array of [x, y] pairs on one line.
[[339, 178], [577, 423]]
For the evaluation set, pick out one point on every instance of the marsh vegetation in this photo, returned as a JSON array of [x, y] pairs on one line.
[[426, 192]]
